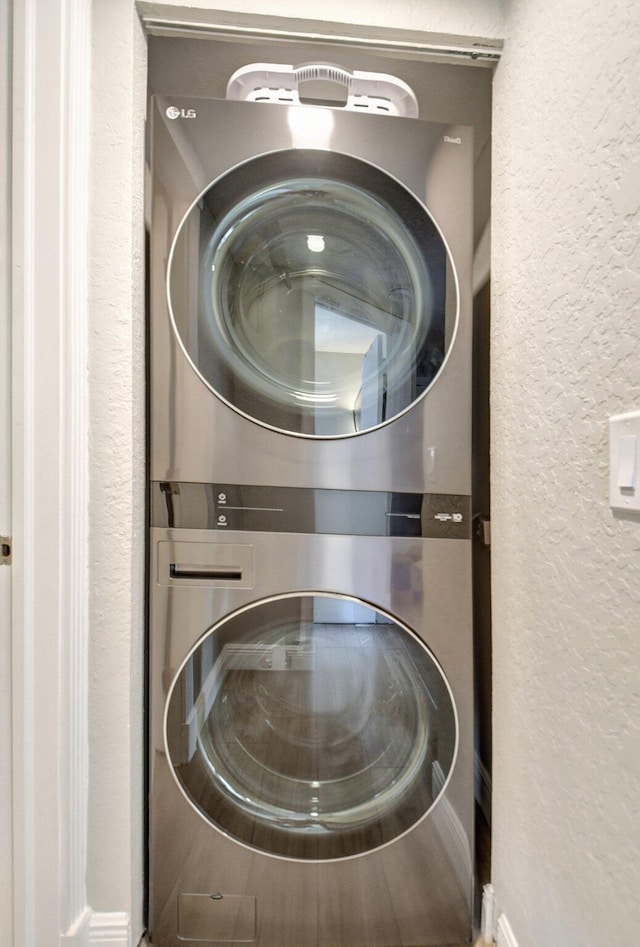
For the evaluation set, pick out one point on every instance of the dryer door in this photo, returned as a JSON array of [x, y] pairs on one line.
[[312, 293], [311, 726]]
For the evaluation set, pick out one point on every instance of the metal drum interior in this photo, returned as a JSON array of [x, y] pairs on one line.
[[311, 726], [313, 293]]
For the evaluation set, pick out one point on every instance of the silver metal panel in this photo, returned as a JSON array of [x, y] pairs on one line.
[[167, 20], [217, 918], [413, 892], [197, 437]]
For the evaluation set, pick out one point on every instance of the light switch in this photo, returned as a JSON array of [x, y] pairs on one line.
[[627, 462], [624, 461]]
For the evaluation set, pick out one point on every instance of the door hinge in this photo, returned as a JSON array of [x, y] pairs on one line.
[[5, 550], [483, 528]]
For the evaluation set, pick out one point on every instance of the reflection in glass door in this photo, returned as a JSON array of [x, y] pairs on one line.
[[342, 360], [312, 293], [311, 727]]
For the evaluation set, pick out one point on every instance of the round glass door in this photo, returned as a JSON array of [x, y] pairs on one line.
[[312, 293], [311, 727]]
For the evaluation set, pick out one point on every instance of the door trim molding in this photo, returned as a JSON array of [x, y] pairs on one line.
[[51, 110]]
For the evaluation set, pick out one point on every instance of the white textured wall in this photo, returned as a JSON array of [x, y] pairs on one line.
[[117, 458], [565, 356]]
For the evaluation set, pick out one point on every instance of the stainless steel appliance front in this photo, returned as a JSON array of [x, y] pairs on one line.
[[311, 749], [310, 298]]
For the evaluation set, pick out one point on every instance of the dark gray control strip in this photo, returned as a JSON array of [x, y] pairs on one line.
[[228, 507]]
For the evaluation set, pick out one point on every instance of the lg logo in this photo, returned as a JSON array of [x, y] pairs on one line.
[[173, 112]]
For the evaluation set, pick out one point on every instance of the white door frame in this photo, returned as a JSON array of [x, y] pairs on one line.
[[6, 880], [51, 102]]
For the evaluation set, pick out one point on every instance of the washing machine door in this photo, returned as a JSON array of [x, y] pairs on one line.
[[311, 726], [313, 293]]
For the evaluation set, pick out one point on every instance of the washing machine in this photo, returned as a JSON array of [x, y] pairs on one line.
[[311, 718], [310, 281]]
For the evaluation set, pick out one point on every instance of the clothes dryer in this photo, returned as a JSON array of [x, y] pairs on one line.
[[310, 297], [311, 749]]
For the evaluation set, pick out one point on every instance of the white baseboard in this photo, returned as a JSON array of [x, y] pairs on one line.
[[110, 930], [78, 933], [487, 923], [504, 935], [94, 929], [500, 932]]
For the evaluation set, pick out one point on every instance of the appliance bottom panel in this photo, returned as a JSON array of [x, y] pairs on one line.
[[205, 888]]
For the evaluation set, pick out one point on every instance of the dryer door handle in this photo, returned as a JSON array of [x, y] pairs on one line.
[[178, 571]]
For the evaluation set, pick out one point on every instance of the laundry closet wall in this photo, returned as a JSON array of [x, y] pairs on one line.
[[115, 857], [565, 356], [565, 345]]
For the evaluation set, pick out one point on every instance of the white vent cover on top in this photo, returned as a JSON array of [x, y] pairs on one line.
[[323, 84]]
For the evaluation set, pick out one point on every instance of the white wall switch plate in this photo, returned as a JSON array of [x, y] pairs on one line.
[[624, 462]]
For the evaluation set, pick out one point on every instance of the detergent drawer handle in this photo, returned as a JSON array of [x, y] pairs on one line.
[[178, 571]]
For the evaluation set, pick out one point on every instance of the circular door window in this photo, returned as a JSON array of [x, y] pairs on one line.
[[312, 293], [311, 727]]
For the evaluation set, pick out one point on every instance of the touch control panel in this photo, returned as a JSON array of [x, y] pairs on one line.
[[231, 507]]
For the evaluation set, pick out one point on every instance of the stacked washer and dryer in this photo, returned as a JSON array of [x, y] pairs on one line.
[[311, 705]]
